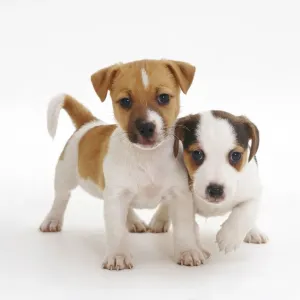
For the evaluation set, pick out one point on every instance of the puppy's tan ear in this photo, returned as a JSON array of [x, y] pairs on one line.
[[253, 136], [102, 81], [183, 73]]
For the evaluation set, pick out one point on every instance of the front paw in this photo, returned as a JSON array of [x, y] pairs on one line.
[[51, 224], [118, 262], [255, 236], [229, 238], [193, 258]]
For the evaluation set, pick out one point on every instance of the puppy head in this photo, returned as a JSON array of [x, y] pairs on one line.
[[215, 145], [145, 96]]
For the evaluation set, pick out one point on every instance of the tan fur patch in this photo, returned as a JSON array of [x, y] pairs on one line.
[[91, 152], [190, 164], [78, 113], [161, 81], [125, 81], [241, 163]]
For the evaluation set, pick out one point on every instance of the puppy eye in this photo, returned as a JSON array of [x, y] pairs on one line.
[[126, 103], [198, 156], [235, 156], [163, 99]]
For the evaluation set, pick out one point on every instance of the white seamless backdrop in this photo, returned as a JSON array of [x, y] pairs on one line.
[[247, 59]]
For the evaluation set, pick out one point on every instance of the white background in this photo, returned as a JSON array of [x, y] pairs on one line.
[[247, 58]]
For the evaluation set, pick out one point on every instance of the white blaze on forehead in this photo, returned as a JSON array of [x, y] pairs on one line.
[[216, 135], [145, 78], [154, 117]]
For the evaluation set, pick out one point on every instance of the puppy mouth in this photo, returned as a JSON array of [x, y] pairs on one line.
[[215, 200], [211, 200], [148, 143]]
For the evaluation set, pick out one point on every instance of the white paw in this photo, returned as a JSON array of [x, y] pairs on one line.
[[51, 224], [229, 238], [159, 226], [137, 226], [205, 255], [255, 236], [118, 262], [193, 257]]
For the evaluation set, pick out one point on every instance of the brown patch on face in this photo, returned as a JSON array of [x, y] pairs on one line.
[[137, 114], [244, 130], [242, 162], [125, 81], [189, 162], [91, 152]]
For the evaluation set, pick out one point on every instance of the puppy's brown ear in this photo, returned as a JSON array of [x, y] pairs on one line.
[[178, 135], [253, 136], [183, 73], [181, 126], [102, 81]]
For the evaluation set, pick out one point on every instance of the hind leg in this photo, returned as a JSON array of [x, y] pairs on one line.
[[160, 221], [135, 223], [65, 181]]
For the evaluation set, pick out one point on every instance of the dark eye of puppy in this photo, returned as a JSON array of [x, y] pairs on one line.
[[126, 103], [198, 156], [163, 99], [235, 157]]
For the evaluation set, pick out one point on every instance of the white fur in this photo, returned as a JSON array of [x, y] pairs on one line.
[[145, 78], [143, 180], [242, 189], [217, 139], [134, 178], [66, 179], [154, 117], [53, 111]]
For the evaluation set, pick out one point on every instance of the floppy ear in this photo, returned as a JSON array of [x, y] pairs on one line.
[[180, 130], [183, 73], [103, 79], [253, 136]]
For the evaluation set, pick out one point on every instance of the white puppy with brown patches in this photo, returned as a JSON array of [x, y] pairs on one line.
[[131, 164], [223, 174]]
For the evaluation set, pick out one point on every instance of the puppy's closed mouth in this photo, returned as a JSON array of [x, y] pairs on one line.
[[211, 200], [146, 141], [215, 200]]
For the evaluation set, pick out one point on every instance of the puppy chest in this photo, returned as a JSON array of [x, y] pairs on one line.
[[150, 185], [148, 196]]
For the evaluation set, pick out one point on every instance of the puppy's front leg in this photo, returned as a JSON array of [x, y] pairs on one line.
[[185, 243], [234, 230], [116, 206]]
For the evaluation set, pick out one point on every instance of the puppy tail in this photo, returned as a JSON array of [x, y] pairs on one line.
[[78, 113]]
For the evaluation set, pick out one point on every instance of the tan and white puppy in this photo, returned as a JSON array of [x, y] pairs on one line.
[[223, 174], [131, 164]]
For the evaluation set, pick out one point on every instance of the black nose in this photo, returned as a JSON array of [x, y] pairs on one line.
[[146, 129], [215, 190]]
